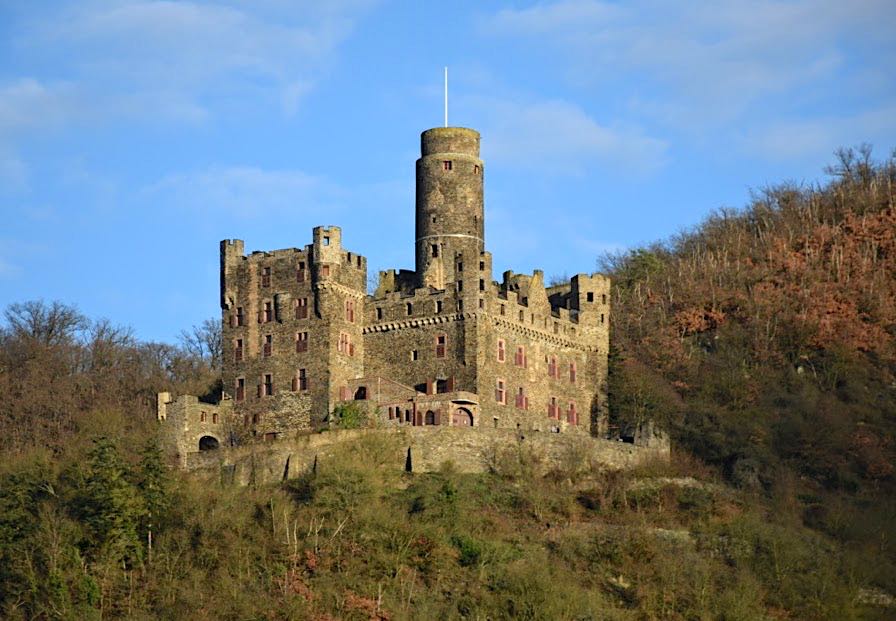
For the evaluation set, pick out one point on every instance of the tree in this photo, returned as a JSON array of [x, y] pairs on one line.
[[204, 342]]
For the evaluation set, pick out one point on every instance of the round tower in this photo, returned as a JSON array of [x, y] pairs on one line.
[[450, 227]]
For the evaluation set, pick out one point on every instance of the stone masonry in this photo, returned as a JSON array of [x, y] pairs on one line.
[[443, 345]]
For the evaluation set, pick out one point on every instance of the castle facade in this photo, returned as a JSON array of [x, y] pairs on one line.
[[444, 344]]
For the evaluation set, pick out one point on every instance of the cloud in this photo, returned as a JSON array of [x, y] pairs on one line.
[[245, 192], [709, 61], [560, 137]]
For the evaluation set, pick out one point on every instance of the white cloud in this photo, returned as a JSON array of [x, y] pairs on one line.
[[714, 59], [558, 136], [246, 192]]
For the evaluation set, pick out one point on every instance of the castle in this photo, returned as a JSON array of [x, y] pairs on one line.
[[442, 345]]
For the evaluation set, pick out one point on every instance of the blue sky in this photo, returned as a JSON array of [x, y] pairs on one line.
[[134, 135]]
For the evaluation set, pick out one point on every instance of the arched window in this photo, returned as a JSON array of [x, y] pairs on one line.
[[430, 418]]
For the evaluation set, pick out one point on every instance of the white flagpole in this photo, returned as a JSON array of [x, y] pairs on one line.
[[446, 96]]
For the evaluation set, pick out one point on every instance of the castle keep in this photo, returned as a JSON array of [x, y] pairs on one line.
[[442, 345]]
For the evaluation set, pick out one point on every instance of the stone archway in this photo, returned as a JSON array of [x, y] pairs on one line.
[[430, 418], [462, 417], [208, 443]]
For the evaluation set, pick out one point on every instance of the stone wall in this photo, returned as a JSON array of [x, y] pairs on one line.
[[468, 450]]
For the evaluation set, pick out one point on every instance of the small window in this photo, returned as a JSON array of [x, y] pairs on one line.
[[268, 313], [572, 372], [552, 367], [350, 311], [214, 417], [481, 265], [345, 345], [460, 266], [300, 272], [240, 389], [301, 342], [300, 381], [240, 316], [410, 308], [460, 306], [267, 385], [265, 277], [522, 402], [603, 300], [326, 240], [447, 165], [522, 316], [502, 351], [201, 417], [460, 286], [572, 416], [379, 314], [433, 219], [268, 345], [601, 317], [325, 271], [481, 303], [481, 284], [500, 392], [520, 358], [590, 296], [435, 250], [553, 408], [414, 354], [441, 345], [301, 308], [475, 169], [238, 350], [503, 310]]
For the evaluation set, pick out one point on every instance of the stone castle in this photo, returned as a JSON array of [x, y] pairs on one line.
[[443, 345]]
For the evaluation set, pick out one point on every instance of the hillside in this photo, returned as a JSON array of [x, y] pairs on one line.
[[764, 340]]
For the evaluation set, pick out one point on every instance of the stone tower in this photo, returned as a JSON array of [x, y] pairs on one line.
[[449, 209]]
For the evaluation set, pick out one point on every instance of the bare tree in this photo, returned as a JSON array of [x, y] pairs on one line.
[[49, 324], [204, 341]]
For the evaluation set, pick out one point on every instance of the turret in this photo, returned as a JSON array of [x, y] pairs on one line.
[[450, 230]]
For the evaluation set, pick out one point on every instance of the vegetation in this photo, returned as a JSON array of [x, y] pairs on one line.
[[763, 340]]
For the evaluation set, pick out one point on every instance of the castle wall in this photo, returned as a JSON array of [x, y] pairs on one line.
[[468, 450], [188, 421]]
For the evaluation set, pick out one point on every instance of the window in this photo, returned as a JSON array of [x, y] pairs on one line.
[[460, 286], [326, 240], [379, 313], [553, 408], [447, 165], [301, 308], [502, 353], [520, 358], [475, 169], [324, 271], [601, 317], [438, 306], [240, 316], [603, 300], [238, 350], [301, 342], [350, 311], [481, 265], [441, 345], [572, 372], [522, 316], [415, 355], [345, 345], [460, 306], [481, 303], [500, 392], [240, 389], [572, 417], [255, 419], [201, 417], [590, 296], [267, 385], [267, 314], [300, 272], [265, 277], [300, 381], [435, 250], [522, 401], [503, 310], [460, 266], [482, 284], [214, 417], [552, 367], [268, 345], [410, 308]]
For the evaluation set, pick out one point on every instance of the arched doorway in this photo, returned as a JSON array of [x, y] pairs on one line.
[[430, 418], [462, 417], [208, 443]]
